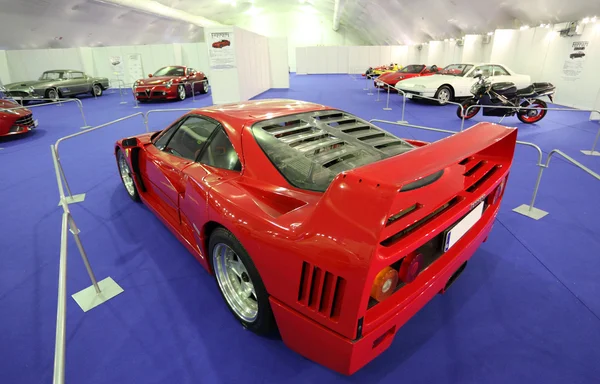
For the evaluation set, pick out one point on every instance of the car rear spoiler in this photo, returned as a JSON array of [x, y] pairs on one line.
[[363, 203]]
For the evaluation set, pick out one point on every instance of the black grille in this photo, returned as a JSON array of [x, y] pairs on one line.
[[17, 94], [25, 120]]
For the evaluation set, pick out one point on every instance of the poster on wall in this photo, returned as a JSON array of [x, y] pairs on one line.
[[117, 65], [135, 68], [220, 50], [574, 62]]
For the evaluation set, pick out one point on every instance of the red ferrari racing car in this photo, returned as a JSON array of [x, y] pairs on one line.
[[175, 82], [15, 121], [410, 71], [221, 44], [317, 222]]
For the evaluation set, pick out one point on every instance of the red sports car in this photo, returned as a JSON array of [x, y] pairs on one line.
[[175, 82], [15, 121], [221, 44], [317, 222], [413, 70]]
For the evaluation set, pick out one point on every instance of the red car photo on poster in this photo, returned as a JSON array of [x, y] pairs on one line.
[[316, 222], [408, 72], [221, 44], [15, 121], [171, 83]]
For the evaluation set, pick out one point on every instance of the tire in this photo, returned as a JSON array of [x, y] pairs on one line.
[[204, 88], [444, 94], [226, 254], [97, 90], [181, 92], [524, 115], [52, 94], [127, 176], [465, 105]]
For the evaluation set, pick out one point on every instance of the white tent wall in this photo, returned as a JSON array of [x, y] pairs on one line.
[[30, 63], [252, 56], [278, 62], [4, 73]]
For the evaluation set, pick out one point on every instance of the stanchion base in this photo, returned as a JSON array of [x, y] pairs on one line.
[[591, 153], [533, 213], [123, 102], [74, 199], [88, 298], [86, 127], [365, 89], [370, 93], [402, 122], [387, 109], [137, 106]]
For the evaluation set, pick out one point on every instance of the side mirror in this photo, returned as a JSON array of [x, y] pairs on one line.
[[150, 75], [130, 142]]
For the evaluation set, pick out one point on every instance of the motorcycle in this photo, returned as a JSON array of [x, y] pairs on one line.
[[506, 94]]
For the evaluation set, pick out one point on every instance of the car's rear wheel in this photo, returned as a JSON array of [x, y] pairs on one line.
[[181, 92], [204, 86], [239, 283], [127, 176], [444, 94], [97, 90]]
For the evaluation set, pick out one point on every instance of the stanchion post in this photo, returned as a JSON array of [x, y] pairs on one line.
[[387, 102], [366, 88], [378, 89], [121, 91], [593, 151], [369, 88], [75, 231], [530, 210]]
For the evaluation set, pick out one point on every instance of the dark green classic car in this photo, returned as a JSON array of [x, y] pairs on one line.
[[55, 84]]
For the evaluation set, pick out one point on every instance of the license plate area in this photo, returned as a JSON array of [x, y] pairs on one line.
[[458, 230]]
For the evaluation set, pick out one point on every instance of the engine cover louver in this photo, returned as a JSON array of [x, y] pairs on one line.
[[321, 291]]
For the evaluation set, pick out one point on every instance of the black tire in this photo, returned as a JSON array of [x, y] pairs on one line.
[[181, 95], [465, 105], [523, 116], [204, 86], [97, 90], [264, 323], [443, 90], [134, 195], [49, 94]]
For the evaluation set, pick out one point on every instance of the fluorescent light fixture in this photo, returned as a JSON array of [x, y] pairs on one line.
[[445, 39], [586, 20], [451, 39], [524, 27], [490, 33], [253, 11], [594, 19]]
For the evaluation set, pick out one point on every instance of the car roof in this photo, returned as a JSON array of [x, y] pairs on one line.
[[63, 70]]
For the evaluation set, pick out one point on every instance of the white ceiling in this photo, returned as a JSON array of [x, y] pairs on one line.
[[69, 23]]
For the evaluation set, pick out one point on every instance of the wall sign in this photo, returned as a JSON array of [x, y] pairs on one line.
[[135, 67], [117, 65], [574, 62], [221, 54]]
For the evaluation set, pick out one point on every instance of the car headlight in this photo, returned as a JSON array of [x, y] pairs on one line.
[[137, 82], [9, 111], [169, 83]]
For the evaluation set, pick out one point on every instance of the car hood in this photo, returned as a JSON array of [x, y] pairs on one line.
[[158, 80], [396, 76], [427, 81], [15, 112]]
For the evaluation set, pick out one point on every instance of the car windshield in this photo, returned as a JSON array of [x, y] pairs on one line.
[[310, 149], [169, 71], [456, 70], [412, 69], [52, 75]]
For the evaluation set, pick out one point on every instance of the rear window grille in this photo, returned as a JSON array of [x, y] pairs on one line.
[[370, 136], [483, 179], [329, 116], [342, 122], [285, 124], [411, 228], [390, 144], [392, 219], [321, 290], [356, 129], [340, 159]]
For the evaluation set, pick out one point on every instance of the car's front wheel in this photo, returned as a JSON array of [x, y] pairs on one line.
[[52, 94], [239, 283], [97, 90], [444, 94]]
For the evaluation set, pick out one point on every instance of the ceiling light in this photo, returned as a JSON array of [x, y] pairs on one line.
[[586, 20], [594, 19], [445, 39], [253, 11], [451, 39], [524, 27], [542, 25], [490, 33]]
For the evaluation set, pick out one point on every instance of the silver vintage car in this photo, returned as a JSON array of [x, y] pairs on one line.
[[55, 84]]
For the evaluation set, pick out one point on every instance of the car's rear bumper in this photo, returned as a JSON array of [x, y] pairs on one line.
[[346, 356]]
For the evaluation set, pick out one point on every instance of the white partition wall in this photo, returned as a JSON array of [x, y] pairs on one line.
[[31, 63], [4, 73], [278, 62]]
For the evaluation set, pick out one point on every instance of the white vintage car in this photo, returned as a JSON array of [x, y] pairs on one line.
[[455, 81]]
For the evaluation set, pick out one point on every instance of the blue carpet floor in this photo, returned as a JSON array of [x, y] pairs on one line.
[[525, 311]]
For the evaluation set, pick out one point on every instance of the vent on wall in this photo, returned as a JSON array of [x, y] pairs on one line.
[[321, 291]]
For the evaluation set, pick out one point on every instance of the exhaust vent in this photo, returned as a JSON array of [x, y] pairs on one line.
[[321, 291], [489, 173]]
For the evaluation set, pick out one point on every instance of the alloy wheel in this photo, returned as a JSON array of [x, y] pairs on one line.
[[97, 90], [235, 282], [444, 96], [181, 91], [126, 175]]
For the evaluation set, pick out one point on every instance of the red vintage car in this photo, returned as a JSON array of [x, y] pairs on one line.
[[410, 71], [174, 82], [221, 44], [317, 222], [15, 121]]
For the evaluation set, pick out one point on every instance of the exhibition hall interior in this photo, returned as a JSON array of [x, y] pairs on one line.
[[299, 191]]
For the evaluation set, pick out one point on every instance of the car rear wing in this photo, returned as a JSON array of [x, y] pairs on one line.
[[372, 204]]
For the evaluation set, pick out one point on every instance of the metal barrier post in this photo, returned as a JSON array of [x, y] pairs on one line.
[[369, 86], [61, 307], [366, 88], [535, 213], [387, 101], [75, 231], [593, 151], [378, 94], [137, 104]]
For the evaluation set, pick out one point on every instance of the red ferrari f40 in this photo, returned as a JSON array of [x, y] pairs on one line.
[[317, 222]]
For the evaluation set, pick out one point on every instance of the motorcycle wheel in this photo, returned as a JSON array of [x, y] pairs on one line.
[[471, 112], [532, 114]]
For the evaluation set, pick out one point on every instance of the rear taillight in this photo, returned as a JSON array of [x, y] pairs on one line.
[[384, 284], [411, 267], [499, 191]]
